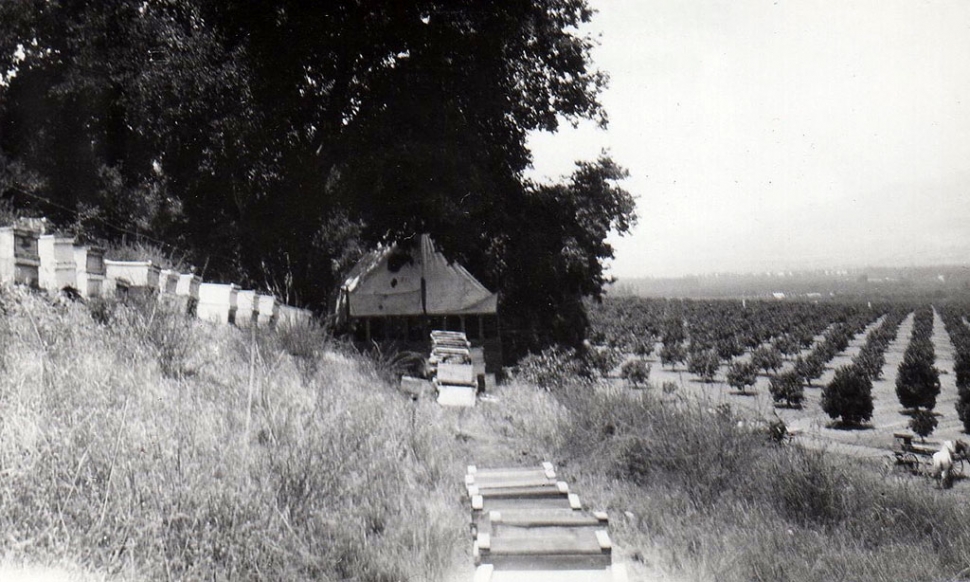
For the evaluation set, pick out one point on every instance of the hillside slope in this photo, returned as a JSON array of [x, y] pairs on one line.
[[128, 450]]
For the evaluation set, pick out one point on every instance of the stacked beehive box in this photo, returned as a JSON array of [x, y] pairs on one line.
[[288, 315], [132, 278], [526, 525], [268, 306], [187, 290], [451, 370], [217, 302], [19, 258], [57, 269], [89, 273], [247, 308]]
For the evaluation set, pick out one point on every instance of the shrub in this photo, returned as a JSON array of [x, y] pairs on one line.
[[849, 396], [643, 346], [601, 360], [923, 423], [787, 386], [810, 368], [636, 371], [768, 358], [740, 375], [917, 382], [550, 369], [672, 353], [704, 363]]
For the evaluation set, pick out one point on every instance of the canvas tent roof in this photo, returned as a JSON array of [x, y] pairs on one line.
[[393, 281]]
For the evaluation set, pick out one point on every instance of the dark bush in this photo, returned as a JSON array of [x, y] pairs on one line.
[[849, 396]]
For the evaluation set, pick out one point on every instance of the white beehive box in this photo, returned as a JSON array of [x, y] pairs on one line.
[[293, 316], [57, 269], [247, 308], [19, 259], [217, 302], [188, 285], [132, 276], [268, 307], [168, 281], [89, 271]]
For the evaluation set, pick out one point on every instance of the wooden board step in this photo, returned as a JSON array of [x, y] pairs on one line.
[[551, 489], [489, 573], [534, 518], [481, 507], [520, 479], [545, 466], [561, 548]]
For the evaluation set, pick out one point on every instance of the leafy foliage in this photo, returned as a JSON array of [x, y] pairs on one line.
[[917, 381], [636, 372], [849, 396], [741, 375], [273, 141], [787, 387], [704, 363], [768, 358], [923, 423]]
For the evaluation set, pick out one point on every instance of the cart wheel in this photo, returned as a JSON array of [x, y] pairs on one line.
[[959, 469]]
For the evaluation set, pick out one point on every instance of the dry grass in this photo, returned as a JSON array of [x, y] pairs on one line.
[[148, 448], [693, 495]]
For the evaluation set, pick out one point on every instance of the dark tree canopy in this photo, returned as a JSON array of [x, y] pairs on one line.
[[274, 140]]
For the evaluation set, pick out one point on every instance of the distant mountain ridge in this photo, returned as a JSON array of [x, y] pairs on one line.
[[941, 281]]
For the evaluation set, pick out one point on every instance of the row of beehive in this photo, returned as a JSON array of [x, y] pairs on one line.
[[53, 263], [526, 525], [451, 370]]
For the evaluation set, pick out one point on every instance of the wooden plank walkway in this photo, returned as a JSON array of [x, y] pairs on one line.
[[527, 525]]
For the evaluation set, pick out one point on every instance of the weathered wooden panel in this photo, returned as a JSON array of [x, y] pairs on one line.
[[545, 466], [19, 258], [268, 306], [565, 548], [89, 271], [141, 276], [460, 396], [554, 489], [532, 517], [247, 308], [188, 285], [168, 282], [489, 573], [217, 302], [455, 374], [293, 316], [525, 477], [57, 269]]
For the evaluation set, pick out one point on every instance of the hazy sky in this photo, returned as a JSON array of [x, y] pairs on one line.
[[783, 134]]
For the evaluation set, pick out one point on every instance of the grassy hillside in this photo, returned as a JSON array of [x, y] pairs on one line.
[[692, 495], [136, 444], [139, 444]]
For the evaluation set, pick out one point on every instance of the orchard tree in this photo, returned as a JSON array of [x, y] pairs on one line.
[[923, 423], [787, 344], [636, 372], [849, 396], [741, 375], [810, 367], [704, 363], [917, 382], [672, 353], [787, 387], [768, 358]]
